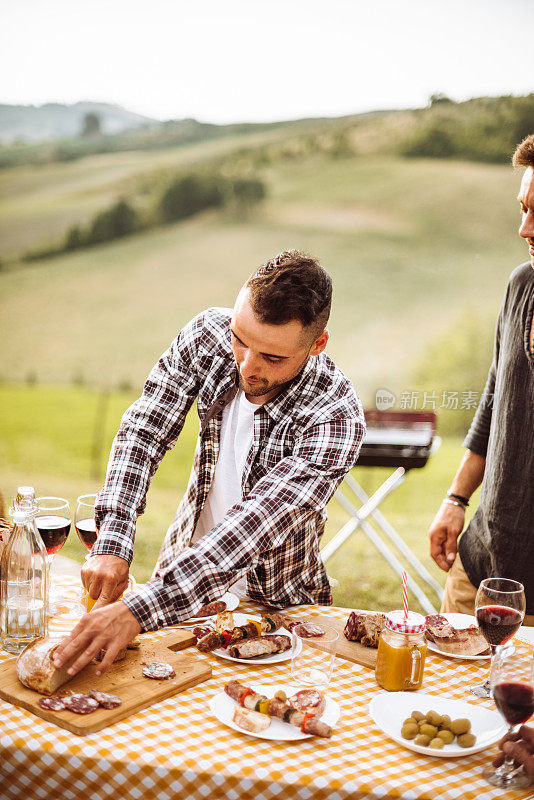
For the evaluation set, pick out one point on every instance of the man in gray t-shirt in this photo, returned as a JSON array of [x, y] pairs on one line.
[[499, 541]]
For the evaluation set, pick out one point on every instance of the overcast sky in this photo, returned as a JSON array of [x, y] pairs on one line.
[[232, 60]]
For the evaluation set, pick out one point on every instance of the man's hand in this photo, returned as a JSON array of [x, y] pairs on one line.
[[110, 629], [105, 578], [520, 747], [444, 532]]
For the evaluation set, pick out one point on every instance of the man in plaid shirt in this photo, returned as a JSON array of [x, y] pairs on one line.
[[291, 426]]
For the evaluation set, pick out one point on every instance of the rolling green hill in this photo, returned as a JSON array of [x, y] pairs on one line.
[[411, 245]]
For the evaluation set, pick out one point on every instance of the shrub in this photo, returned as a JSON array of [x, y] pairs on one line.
[[74, 238], [190, 194], [115, 222]]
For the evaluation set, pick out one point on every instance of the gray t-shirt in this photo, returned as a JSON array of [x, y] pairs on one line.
[[499, 541]]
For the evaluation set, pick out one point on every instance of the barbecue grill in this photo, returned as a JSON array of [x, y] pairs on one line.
[[402, 440]]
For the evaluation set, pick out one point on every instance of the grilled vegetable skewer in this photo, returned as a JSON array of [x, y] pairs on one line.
[[250, 699]]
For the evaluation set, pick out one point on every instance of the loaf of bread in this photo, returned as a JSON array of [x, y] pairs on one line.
[[36, 670]]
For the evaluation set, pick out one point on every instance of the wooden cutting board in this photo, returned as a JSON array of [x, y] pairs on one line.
[[352, 651], [124, 679]]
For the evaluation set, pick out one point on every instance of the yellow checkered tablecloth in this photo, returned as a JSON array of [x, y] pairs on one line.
[[176, 750]]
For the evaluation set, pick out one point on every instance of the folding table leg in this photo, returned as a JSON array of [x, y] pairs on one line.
[[359, 519]]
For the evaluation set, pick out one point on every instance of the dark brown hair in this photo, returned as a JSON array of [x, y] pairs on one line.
[[292, 285], [524, 153]]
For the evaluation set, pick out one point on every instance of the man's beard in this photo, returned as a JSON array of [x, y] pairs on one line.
[[264, 387]]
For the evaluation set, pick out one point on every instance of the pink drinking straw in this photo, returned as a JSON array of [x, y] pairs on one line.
[[405, 593]]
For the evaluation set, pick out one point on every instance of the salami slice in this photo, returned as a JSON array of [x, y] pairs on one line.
[[158, 671], [106, 700], [52, 703], [202, 630], [208, 610], [308, 629], [80, 703], [310, 701]]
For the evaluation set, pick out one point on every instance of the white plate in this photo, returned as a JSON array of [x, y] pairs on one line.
[[223, 708], [274, 658], [458, 621], [232, 602], [390, 709]]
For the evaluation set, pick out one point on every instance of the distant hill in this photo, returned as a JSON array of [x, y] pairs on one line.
[[58, 121]]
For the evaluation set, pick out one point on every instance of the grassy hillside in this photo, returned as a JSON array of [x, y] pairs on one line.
[[411, 246]]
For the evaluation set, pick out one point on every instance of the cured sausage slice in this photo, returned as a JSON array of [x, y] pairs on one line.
[[52, 703], [106, 700], [310, 701], [158, 671], [308, 629], [202, 630], [80, 703], [215, 607]]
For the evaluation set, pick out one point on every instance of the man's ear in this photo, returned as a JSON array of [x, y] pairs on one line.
[[320, 343]]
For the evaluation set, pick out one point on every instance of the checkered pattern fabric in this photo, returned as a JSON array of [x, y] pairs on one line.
[[305, 441], [176, 750]]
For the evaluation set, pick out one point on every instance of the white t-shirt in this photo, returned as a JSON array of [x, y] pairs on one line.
[[237, 431]]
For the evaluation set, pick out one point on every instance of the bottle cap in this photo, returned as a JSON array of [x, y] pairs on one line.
[[20, 517], [412, 623]]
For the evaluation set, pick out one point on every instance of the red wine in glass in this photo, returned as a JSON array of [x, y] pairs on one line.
[[54, 530], [514, 700], [498, 623], [512, 684], [86, 530], [53, 520]]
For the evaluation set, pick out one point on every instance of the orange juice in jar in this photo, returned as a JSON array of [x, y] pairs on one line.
[[400, 661]]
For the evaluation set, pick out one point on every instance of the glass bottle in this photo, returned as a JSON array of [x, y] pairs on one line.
[[400, 661], [23, 586]]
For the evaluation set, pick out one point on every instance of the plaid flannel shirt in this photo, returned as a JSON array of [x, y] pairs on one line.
[[305, 441]]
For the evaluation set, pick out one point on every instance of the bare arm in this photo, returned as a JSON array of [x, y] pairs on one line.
[[449, 521]]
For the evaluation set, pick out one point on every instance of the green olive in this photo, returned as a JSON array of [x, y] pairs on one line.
[[437, 743], [467, 740], [446, 736], [434, 718], [445, 722], [428, 730], [410, 721], [422, 740], [459, 726], [409, 731], [418, 716]]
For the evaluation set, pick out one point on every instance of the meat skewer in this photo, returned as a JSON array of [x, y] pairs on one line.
[[252, 630], [260, 646], [250, 699]]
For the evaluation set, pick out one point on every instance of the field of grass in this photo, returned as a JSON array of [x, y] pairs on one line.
[[48, 442], [410, 245]]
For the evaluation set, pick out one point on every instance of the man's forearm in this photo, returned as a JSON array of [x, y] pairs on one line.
[[469, 475]]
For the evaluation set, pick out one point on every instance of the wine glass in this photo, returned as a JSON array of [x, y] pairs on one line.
[[500, 608], [512, 684], [85, 520], [53, 521]]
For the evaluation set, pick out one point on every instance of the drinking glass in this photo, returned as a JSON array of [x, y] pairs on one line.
[[500, 608], [84, 520], [53, 521], [512, 684], [312, 659]]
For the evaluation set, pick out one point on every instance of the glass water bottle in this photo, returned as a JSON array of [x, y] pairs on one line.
[[23, 586]]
